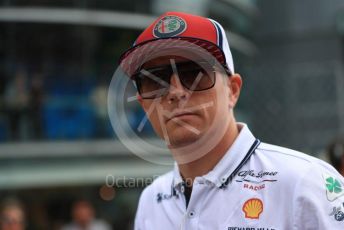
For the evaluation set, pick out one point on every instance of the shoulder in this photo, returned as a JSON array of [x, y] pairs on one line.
[[69, 227], [100, 225], [289, 159], [305, 173], [149, 198], [278, 151], [315, 187], [160, 186], [296, 170]]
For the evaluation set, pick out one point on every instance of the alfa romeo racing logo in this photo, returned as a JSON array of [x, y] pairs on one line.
[[169, 26]]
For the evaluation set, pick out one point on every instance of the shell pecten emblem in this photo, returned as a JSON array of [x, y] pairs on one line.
[[253, 208]]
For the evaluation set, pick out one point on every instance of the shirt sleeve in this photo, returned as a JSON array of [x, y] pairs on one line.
[[319, 199], [142, 208], [138, 217]]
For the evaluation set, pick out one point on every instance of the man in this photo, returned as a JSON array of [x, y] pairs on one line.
[[12, 216], [224, 178], [84, 218]]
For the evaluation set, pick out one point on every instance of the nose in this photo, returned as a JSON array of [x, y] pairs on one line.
[[176, 91]]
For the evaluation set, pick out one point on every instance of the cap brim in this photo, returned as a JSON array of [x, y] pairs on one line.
[[131, 60]]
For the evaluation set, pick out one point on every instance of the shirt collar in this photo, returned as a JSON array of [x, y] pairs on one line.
[[229, 162], [177, 178]]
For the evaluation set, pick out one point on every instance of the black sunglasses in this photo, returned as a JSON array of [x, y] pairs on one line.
[[155, 82]]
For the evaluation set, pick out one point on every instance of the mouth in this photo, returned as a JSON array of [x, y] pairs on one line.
[[179, 115]]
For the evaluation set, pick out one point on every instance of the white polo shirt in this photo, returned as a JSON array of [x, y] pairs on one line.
[[255, 186]]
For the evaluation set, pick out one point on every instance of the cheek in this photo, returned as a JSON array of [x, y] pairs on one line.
[[220, 99], [153, 117], [221, 104], [212, 110], [208, 103]]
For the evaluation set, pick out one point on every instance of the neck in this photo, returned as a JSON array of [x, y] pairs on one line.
[[207, 162]]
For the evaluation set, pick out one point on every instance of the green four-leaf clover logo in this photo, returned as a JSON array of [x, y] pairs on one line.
[[333, 185]]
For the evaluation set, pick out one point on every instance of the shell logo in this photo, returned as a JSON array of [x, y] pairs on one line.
[[253, 208]]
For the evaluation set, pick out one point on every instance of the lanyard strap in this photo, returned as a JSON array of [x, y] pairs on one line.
[[242, 163], [250, 152]]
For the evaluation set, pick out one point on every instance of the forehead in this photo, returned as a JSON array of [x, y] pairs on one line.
[[12, 210], [164, 60]]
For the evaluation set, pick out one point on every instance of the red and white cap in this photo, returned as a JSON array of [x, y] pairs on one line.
[[176, 30]]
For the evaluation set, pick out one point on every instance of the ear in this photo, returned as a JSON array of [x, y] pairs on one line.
[[234, 84]]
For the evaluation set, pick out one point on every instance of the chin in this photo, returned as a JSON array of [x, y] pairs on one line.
[[183, 137]]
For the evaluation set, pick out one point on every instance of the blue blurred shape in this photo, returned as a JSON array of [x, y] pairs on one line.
[[3, 129], [69, 118]]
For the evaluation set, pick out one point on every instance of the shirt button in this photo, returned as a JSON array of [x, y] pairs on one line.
[[182, 189], [192, 214]]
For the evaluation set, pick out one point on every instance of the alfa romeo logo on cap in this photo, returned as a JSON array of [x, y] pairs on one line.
[[169, 26]]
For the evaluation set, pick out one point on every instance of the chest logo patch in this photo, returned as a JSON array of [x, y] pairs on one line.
[[256, 177], [253, 208], [337, 213], [334, 189]]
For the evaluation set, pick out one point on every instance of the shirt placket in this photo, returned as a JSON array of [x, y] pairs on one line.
[[194, 209]]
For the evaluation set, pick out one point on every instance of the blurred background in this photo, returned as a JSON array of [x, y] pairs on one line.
[[57, 58]]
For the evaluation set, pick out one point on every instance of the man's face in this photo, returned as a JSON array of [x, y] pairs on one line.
[[182, 116], [83, 213], [12, 218]]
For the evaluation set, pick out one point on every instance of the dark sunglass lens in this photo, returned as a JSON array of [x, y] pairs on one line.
[[196, 78], [153, 83]]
